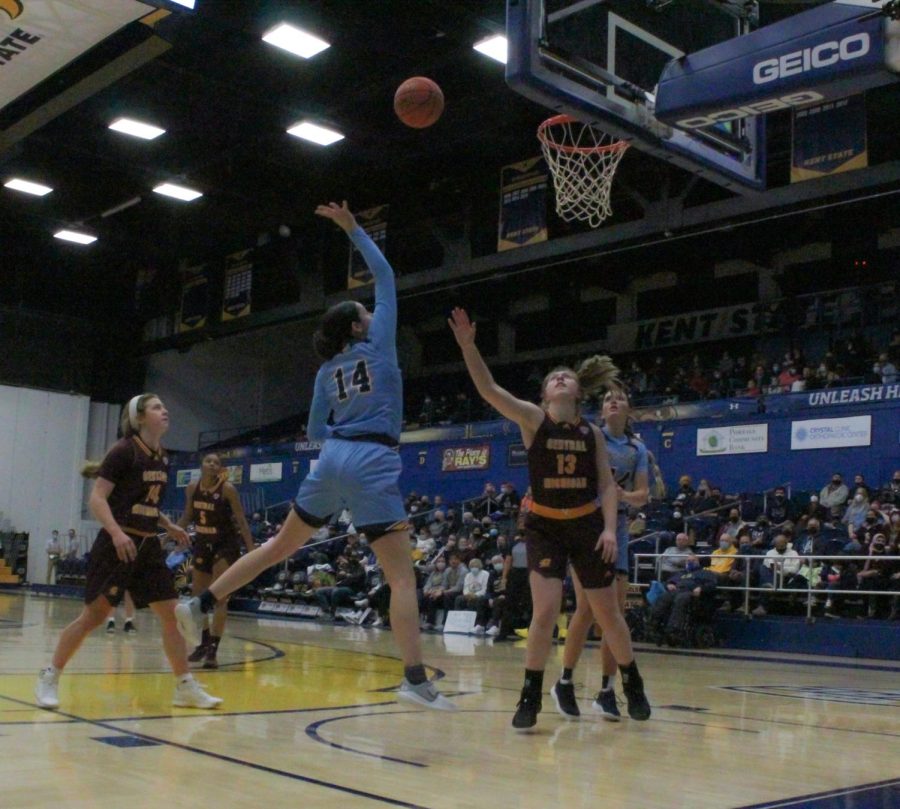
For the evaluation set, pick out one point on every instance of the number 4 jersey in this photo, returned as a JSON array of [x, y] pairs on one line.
[[140, 475], [562, 464]]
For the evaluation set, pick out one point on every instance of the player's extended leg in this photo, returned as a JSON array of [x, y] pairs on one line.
[[293, 535], [392, 551], [546, 594], [92, 615]]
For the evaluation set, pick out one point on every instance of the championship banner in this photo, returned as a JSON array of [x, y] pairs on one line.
[[238, 285], [523, 204], [38, 37], [194, 299], [829, 139], [466, 459], [374, 222]]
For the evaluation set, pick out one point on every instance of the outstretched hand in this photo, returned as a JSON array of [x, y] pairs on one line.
[[463, 329], [339, 214]]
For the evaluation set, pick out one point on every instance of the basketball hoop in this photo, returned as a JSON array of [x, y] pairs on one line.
[[583, 161]]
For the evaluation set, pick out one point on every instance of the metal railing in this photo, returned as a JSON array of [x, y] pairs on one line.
[[777, 585]]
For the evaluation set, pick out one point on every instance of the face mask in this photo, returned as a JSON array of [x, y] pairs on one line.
[[475, 568], [676, 515], [878, 548], [812, 530], [781, 550], [499, 567], [858, 498], [835, 481], [724, 545], [779, 497], [692, 566], [734, 519]]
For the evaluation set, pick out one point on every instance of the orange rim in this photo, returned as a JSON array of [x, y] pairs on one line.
[[558, 120]]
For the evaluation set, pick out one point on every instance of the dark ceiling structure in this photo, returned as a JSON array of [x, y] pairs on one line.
[[226, 99]]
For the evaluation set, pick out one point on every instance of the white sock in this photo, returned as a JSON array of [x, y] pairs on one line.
[[611, 684], [184, 678], [53, 670]]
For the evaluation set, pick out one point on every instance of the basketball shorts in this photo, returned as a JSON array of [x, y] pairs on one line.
[[207, 552], [357, 475], [147, 578], [553, 544]]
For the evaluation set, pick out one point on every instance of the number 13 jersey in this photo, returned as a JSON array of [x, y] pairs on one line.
[[562, 464]]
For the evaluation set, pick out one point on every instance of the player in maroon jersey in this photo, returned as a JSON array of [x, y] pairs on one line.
[[573, 517], [127, 554], [213, 505]]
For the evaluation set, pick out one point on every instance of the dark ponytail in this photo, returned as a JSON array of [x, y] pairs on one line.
[[335, 329]]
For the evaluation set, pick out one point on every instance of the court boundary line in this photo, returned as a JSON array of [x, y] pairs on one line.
[[229, 759], [831, 793]]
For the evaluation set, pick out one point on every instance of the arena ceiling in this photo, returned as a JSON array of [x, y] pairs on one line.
[[226, 99]]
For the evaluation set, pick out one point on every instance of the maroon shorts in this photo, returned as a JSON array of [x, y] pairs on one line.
[[552, 544], [207, 552], [147, 578]]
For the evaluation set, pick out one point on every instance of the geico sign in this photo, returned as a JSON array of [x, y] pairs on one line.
[[756, 108], [822, 55]]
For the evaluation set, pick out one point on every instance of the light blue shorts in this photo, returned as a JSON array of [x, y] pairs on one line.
[[356, 475]]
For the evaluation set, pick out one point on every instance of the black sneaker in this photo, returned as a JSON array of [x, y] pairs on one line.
[[129, 628], [606, 704], [210, 661], [198, 654], [633, 686], [526, 712], [564, 696]]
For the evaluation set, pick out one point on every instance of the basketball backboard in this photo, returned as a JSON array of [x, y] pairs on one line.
[[600, 61]]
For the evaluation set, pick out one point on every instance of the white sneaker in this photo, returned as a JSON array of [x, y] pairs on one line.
[[424, 694], [190, 694], [190, 620], [492, 631], [479, 630], [378, 621], [361, 603], [46, 689]]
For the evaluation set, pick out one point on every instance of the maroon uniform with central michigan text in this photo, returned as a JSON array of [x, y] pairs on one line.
[[214, 524], [139, 476], [565, 521]]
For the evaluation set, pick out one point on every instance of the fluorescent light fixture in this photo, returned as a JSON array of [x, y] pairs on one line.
[[186, 3], [295, 40], [26, 187], [137, 129], [177, 192], [74, 236], [315, 133], [495, 47]]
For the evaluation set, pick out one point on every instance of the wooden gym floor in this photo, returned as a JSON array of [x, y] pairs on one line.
[[309, 719]]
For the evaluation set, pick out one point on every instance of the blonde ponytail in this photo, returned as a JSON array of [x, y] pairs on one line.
[[90, 470], [598, 373]]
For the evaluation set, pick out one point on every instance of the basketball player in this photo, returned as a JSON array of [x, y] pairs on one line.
[[568, 468], [214, 507], [628, 462], [127, 554], [359, 384]]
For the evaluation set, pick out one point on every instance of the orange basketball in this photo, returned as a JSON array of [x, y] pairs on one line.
[[418, 102]]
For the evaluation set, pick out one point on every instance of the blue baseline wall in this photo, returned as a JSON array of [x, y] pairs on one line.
[[669, 431]]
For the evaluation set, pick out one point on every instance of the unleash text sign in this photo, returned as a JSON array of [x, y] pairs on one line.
[[736, 439], [853, 431]]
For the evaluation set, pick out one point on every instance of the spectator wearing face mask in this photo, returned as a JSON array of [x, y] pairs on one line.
[[778, 507], [893, 527], [433, 593], [814, 509], [859, 482], [474, 594], [675, 557], [496, 602], [811, 542], [835, 494], [880, 574], [745, 571], [456, 576], [723, 559], [890, 492], [670, 611], [732, 527], [856, 512], [780, 565]]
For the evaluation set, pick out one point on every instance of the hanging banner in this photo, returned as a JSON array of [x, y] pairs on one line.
[[194, 298], [829, 139], [374, 222], [238, 284], [523, 204], [38, 37]]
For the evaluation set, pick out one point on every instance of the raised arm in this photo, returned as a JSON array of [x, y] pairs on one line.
[[317, 425], [383, 329], [527, 415]]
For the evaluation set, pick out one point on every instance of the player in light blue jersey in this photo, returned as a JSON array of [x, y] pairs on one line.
[[630, 468], [359, 389]]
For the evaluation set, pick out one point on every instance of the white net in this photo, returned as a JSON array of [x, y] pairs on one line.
[[583, 161]]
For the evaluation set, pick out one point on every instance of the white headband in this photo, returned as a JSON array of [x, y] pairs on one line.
[[133, 412]]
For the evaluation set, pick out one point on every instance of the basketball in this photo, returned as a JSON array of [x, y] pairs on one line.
[[418, 102]]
